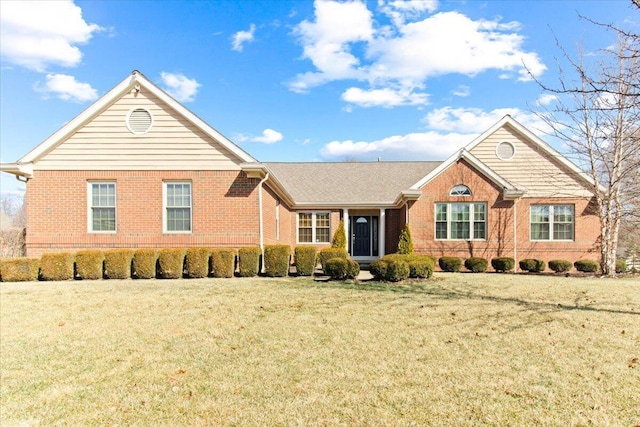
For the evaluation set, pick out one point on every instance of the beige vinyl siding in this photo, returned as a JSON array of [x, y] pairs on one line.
[[105, 142], [531, 169]]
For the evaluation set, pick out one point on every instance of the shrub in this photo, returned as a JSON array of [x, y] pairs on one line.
[[277, 260], [223, 262], [503, 264], [586, 266], [390, 268], [145, 264], [420, 266], [476, 264], [305, 257], [89, 264], [56, 266], [339, 239], [378, 268], [532, 265], [117, 263], [171, 263], [341, 268], [248, 261], [19, 269], [560, 265], [329, 253], [450, 264], [405, 243], [621, 266], [196, 262]]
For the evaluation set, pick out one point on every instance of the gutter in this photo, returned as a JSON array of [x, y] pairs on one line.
[[261, 214]]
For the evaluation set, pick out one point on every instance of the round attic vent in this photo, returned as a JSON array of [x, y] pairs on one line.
[[139, 121], [505, 150]]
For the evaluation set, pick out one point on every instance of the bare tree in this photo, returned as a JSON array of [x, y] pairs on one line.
[[598, 116], [12, 233]]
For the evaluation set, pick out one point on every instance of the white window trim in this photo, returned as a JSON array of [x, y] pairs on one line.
[[551, 215], [507, 158], [164, 207], [313, 227], [90, 205], [471, 221]]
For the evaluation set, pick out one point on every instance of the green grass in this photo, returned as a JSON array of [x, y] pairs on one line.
[[463, 349]]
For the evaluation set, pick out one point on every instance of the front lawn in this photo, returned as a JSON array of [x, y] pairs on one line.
[[462, 349]]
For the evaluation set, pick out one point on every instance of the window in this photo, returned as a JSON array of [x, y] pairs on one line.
[[102, 206], [313, 227], [461, 221], [139, 121], [460, 190], [505, 151], [552, 222], [177, 207]]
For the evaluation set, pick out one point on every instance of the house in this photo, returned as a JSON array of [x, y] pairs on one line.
[[137, 169]]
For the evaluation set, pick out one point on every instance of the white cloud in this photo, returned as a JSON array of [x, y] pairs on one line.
[[476, 120], [462, 91], [402, 10], [67, 88], [36, 34], [269, 136], [241, 37], [180, 87], [546, 99], [386, 97]]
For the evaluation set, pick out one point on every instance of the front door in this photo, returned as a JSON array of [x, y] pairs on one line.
[[362, 236]]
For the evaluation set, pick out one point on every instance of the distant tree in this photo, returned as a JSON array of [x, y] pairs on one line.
[[405, 243], [339, 237]]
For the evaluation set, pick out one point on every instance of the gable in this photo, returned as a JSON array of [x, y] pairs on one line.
[[537, 170]]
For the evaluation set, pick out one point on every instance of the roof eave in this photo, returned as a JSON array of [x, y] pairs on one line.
[[18, 169]]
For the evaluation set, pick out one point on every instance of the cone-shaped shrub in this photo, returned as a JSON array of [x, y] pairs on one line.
[[248, 261], [476, 264], [328, 253], [305, 260], [339, 239], [560, 265], [19, 269], [145, 264], [503, 264], [57, 266], [223, 262], [586, 266], [405, 243], [532, 265], [196, 262], [89, 264], [171, 263], [117, 263], [450, 264], [276, 260]]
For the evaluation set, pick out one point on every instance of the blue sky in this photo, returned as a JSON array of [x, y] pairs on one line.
[[297, 80]]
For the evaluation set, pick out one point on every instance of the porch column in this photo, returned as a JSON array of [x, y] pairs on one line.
[[347, 232], [381, 232]]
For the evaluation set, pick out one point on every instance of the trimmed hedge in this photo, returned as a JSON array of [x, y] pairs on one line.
[[56, 266], [196, 262], [560, 265], [277, 260], [117, 263], [391, 268], [450, 264], [248, 261], [171, 263], [503, 264], [19, 269], [420, 266], [223, 262], [476, 264], [89, 264], [532, 265], [305, 258], [586, 266], [144, 264], [328, 253], [341, 269], [621, 266]]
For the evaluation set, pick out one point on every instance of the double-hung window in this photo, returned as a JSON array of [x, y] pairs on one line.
[[552, 222], [313, 227], [102, 206], [177, 207], [461, 221]]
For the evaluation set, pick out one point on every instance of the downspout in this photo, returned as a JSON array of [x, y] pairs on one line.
[[515, 234], [262, 269]]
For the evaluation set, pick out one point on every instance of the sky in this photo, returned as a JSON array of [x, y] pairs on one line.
[[299, 80]]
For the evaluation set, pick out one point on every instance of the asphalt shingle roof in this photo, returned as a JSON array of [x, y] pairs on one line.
[[349, 182]]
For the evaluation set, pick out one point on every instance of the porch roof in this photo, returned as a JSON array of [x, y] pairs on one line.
[[349, 184]]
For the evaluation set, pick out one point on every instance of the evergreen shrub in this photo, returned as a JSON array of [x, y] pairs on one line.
[[420, 266], [329, 253], [339, 239], [532, 265], [586, 266], [144, 264], [450, 264], [560, 265], [476, 264], [196, 262], [503, 264], [305, 258], [89, 264], [248, 261], [223, 262], [405, 243], [19, 269], [56, 266], [277, 260], [341, 268], [117, 263], [390, 269], [171, 263], [621, 266]]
